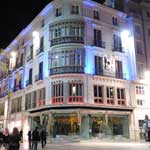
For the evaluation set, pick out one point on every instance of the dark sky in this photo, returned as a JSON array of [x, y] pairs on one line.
[[16, 15]]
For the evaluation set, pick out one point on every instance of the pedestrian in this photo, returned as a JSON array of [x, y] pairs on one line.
[[30, 139], [6, 138], [1, 138], [147, 128], [35, 138], [14, 142], [43, 137]]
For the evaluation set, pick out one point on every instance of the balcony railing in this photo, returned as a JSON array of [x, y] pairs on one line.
[[18, 87], [58, 100], [99, 44], [65, 40], [118, 49], [38, 77], [40, 50], [75, 99], [66, 69], [28, 82], [18, 65], [29, 58], [40, 103]]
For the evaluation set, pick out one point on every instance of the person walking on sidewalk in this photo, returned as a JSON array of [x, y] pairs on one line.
[[6, 138], [30, 139], [43, 137], [14, 143], [35, 138]]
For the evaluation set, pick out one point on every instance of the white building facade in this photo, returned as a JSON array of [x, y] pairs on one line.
[[75, 71]]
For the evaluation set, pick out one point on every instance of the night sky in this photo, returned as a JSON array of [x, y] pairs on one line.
[[16, 15]]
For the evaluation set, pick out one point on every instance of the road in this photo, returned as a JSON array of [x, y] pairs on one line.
[[96, 146]]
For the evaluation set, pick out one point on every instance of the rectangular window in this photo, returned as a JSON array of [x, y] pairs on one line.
[[75, 92], [121, 96], [75, 10], [148, 14], [98, 65], [57, 93], [41, 71], [96, 14], [137, 30], [16, 105], [42, 23], [30, 76], [149, 32], [98, 94], [58, 12], [140, 70], [41, 97], [119, 69], [34, 97], [110, 95], [140, 90], [114, 21], [140, 102], [117, 43], [42, 44], [139, 48], [28, 101], [2, 106], [98, 39]]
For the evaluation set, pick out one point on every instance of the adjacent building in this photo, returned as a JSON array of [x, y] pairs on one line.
[[79, 69]]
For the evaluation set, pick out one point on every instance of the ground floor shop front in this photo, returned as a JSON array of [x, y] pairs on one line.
[[83, 123]]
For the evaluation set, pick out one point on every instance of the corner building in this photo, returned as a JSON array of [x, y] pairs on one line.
[[72, 72]]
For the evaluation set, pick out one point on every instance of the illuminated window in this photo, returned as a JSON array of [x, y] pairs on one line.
[[75, 9], [58, 12], [110, 95], [98, 94], [75, 92], [96, 14]]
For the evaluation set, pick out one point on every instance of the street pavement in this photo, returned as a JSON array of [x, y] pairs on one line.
[[91, 145]]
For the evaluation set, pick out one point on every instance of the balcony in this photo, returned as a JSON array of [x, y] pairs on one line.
[[29, 58], [75, 99], [39, 77], [65, 40], [18, 65], [66, 69], [58, 100], [40, 50], [100, 44], [28, 82], [118, 49], [40, 103], [18, 87]]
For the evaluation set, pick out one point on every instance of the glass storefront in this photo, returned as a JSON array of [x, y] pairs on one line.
[[65, 125]]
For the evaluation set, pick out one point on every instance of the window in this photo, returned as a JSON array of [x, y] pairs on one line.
[[121, 96], [140, 102], [98, 94], [2, 106], [98, 39], [140, 90], [110, 95], [114, 21], [98, 65], [42, 23], [75, 9], [138, 29], [119, 69], [34, 99], [41, 71], [58, 12], [41, 97], [117, 43], [148, 14], [75, 92], [140, 70], [28, 103], [139, 48], [42, 44], [95, 14], [16, 105], [57, 93], [30, 76]]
